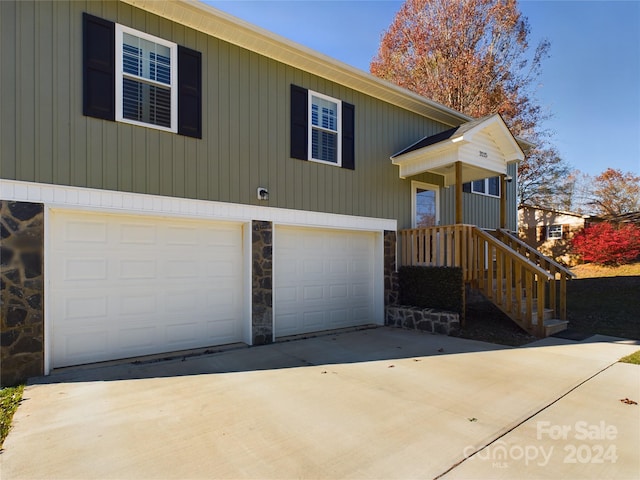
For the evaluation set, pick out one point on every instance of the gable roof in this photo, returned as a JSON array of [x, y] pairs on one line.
[[452, 133], [484, 146], [216, 23]]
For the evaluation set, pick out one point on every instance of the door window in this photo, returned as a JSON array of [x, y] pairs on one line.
[[425, 205]]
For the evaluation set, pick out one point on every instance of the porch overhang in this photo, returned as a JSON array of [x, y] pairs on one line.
[[484, 148]]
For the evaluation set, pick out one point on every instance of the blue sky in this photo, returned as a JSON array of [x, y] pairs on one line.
[[590, 84]]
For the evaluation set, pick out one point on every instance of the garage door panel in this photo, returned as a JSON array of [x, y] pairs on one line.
[[220, 238], [323, 279], [141, 304], [219, 269], [82, 307], [177, 269], [182, 303], [136, 234], [338, 267], [128, 286], [85, 232], [222, 329], [134, 269], [84, 345], [181, 236], [360, 290], [137, 339], [178, 334], [80, 269], [314, 320], [338, 292]]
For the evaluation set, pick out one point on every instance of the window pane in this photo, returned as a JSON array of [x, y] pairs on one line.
[[131, 60], [494, 186], [146, 103], [478, 186], [555, 231], [324, 146], [425, 208], [160, 68], [324, 113], [146, 59]]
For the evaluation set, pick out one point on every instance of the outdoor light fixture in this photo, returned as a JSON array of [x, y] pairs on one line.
[[263, 193]]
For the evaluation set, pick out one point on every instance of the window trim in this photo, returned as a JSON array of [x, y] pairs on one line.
[[173, 48], [550, 227], [311, 127], [415, 185]]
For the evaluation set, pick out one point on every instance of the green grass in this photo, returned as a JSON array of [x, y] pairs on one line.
[[633, 358], [589, 270], [10, 398]]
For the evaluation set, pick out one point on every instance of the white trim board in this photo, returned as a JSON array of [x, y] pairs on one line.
[[60, 196]]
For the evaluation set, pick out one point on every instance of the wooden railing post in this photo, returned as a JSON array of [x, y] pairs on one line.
[[540, 307]]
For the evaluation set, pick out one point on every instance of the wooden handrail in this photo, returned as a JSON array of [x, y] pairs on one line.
[[514, 281], [540, 258], [524, 261]]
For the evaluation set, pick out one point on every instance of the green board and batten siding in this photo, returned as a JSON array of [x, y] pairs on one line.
[[45, 138], [480, 210]]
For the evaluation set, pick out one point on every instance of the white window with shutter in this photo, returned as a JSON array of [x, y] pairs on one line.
[[146, 79], [325, 124]]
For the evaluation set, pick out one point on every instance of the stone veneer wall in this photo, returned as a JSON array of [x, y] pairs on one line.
[[262, 282], [391, 286], [425, 319], [21, 291]]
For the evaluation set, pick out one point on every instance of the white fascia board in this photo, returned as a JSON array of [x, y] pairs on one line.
[[427, 153], [80, 198]]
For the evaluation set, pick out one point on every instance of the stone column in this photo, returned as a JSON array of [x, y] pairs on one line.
[[21, 291], [262, 282], [390, 273]]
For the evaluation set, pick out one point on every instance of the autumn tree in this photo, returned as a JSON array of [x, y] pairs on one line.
[[608, 244], [616, 193], [474, 56]]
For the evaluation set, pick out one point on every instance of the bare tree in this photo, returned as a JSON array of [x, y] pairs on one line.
[[616, 193]]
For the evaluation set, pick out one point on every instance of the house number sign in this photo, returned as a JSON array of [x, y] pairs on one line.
[[483, 154]]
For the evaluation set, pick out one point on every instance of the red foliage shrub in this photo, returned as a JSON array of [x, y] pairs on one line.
[[608, 244]]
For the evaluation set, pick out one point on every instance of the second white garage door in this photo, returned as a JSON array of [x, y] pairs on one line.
[[323, 279], [123, 286]]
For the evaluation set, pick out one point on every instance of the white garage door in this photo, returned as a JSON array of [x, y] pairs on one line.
[[123, 286], [324, 279]]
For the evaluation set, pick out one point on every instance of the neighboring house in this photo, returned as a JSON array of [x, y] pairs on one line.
[[624, 218], [550, 231], [173, 178]]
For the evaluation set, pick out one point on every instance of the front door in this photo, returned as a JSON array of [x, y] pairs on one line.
[[425, 205]]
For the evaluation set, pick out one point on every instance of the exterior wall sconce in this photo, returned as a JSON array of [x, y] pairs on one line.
[[263, 193]]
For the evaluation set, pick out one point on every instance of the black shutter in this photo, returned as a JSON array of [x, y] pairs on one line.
[[466, 187], [98, 67], [348, 136], [189, 92], [299, 119]]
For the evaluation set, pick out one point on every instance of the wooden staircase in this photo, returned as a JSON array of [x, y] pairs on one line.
[[527, 286]]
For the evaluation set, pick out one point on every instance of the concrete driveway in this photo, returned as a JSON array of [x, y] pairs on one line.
[[373, 403]]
